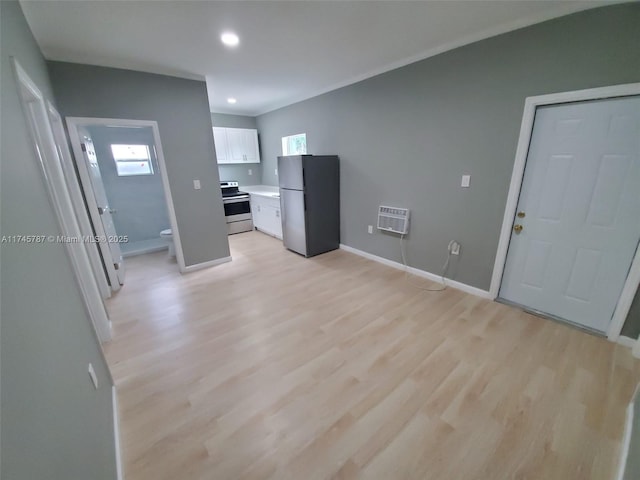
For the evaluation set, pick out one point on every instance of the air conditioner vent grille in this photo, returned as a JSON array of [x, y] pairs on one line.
[[393, 219]]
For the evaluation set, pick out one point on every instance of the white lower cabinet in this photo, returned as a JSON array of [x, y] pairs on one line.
[[266, 215]]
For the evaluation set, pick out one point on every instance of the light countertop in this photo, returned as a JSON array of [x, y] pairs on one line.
[[262, 190]]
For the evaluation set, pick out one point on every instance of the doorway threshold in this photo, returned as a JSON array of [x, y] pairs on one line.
[[548, 316]]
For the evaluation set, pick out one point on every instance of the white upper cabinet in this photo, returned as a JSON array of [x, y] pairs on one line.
[[222, 145], [236, 145]]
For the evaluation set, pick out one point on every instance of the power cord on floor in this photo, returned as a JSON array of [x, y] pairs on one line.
[[406, 268]]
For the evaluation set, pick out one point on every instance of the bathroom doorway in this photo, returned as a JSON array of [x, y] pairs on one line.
[[123, 175]]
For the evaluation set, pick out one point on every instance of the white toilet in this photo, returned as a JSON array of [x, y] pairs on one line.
[[167, 236]]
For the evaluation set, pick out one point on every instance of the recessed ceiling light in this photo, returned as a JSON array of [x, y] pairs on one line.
[[230, 39], [231, 100]]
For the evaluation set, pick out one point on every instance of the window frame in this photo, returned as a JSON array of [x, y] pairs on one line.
[[121, 160], [287, 141]]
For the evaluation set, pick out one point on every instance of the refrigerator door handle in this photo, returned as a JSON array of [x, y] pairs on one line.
[[305, 201], [283, 215]]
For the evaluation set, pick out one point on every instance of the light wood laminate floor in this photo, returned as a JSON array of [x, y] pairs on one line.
[[278, 367]]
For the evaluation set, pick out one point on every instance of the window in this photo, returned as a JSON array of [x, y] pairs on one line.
[[132, 160], [294, 144]]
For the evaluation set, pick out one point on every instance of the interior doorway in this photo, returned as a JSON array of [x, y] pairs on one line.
[[121, 167]]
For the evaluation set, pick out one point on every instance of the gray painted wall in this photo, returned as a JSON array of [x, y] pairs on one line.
[[55, 425], [406, 137], [181, 109], [139, 201], [631, 327], [238, 172]]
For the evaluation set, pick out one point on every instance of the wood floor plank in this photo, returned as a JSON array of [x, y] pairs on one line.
[[278, 367]]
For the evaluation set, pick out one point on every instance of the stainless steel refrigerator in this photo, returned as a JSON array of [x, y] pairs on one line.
[[310, 203]]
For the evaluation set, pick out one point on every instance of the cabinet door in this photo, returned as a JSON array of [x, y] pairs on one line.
[[251, 150], [270, 220], [277, 226], [257, 212], [275, 223], [235, 137], [222, 144], [242, 145]]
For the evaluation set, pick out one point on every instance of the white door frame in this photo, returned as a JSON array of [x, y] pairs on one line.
[[44, 144], [526, 129], [74, 122], [75, 192]]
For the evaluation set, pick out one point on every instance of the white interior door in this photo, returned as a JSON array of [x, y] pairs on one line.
[[579, 212], [78, 203], [100, 211]]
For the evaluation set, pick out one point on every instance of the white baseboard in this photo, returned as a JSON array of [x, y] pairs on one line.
[[200, 266], [110, 337], [116, 433], [626, 341], [626, 438], [144, 251], [478, 292]]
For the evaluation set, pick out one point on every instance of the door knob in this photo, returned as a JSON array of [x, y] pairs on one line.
[[517, 228]]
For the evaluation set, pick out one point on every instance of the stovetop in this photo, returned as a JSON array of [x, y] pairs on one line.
[[230, 189]]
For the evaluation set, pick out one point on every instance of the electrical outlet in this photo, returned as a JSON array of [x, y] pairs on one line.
[[250, 172], [466, 181], [370, 229], [196, 184], [454, 248]]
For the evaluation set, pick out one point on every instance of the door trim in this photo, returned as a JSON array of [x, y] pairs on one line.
[[526, 128], [116, 433], [46, 152], [636, 348], [75, 192], [75, 122]]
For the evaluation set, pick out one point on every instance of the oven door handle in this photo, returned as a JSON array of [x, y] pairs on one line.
[[235, 200]]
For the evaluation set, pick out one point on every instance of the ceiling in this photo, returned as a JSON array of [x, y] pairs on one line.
[[288, 51]]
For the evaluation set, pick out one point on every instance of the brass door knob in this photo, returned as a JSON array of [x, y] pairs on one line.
[[517, 228]]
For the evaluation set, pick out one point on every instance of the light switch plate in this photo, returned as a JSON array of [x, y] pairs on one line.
[[250, 172], [196, 184], [466, 181], [370, 229], [276, 172], [94, 378]]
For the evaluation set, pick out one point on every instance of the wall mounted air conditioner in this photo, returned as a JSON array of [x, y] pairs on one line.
[[393, 219]]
